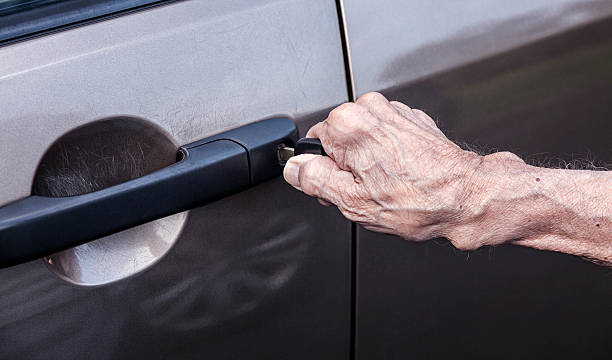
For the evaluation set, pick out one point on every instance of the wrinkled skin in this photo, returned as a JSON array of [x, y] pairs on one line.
[[392, 170]]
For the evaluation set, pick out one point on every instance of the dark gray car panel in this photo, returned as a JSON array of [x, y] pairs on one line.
[[496, 86], [242, 281], [262, 274]]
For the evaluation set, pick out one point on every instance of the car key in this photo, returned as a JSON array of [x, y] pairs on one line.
[[302, 146]]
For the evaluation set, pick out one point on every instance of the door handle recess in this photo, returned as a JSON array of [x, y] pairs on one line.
[[207, 170]]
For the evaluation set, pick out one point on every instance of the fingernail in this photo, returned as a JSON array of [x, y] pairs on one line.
[[291, 174]]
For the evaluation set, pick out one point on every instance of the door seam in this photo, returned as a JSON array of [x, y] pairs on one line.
[[348, 67], [350, 90]]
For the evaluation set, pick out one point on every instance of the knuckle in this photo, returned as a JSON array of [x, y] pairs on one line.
[[308, 186], [424, 117], [313, 177], [351, 216], [462, 240], [350, 200], [400, 105], [347, 118], [341, 111], [463, 244], [370, 97], [419, 112], [308, 176], [349, 211]]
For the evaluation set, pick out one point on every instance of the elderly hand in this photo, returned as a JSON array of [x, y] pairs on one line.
[[392, 170], [389, 168]]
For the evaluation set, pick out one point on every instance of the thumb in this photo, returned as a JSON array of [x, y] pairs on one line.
[[319, 176]]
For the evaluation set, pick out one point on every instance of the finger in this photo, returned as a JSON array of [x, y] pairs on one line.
[[320, 131], [415, 115], [344, 120], [345, 126], [316, 130], [324, 203], [378, 105], [403, 108], [426, 119], [406, 112], [379, 229], [319, 176]]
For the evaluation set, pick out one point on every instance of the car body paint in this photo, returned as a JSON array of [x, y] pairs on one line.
[[263, 273], [532, 77]]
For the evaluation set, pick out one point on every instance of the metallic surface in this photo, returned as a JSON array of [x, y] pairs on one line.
[[95, 156], [393, 42], [284, 154], [533, 77], [264, 273], [119, 255], [193, 68], [260, 274]]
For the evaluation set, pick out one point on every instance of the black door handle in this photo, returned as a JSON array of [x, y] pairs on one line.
[[309, 146], [206, 171]]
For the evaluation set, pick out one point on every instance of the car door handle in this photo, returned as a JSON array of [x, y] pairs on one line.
[[207, 170]]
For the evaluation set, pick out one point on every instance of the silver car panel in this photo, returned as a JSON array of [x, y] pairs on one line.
[[264, 273], [393, 42]]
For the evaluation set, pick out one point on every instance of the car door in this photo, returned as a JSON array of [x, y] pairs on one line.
[[533, 77], [92, 96]]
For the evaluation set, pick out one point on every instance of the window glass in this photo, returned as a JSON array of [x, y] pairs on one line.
[[13, 6], [21, 19]]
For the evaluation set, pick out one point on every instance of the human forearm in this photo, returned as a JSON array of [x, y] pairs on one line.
[[551, 209], [391, 169]]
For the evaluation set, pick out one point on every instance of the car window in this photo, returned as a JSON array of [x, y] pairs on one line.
[[12, 6], [22, 19]]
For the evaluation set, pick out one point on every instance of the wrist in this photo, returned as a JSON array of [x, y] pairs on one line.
[[493, 192], [550, 209]]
